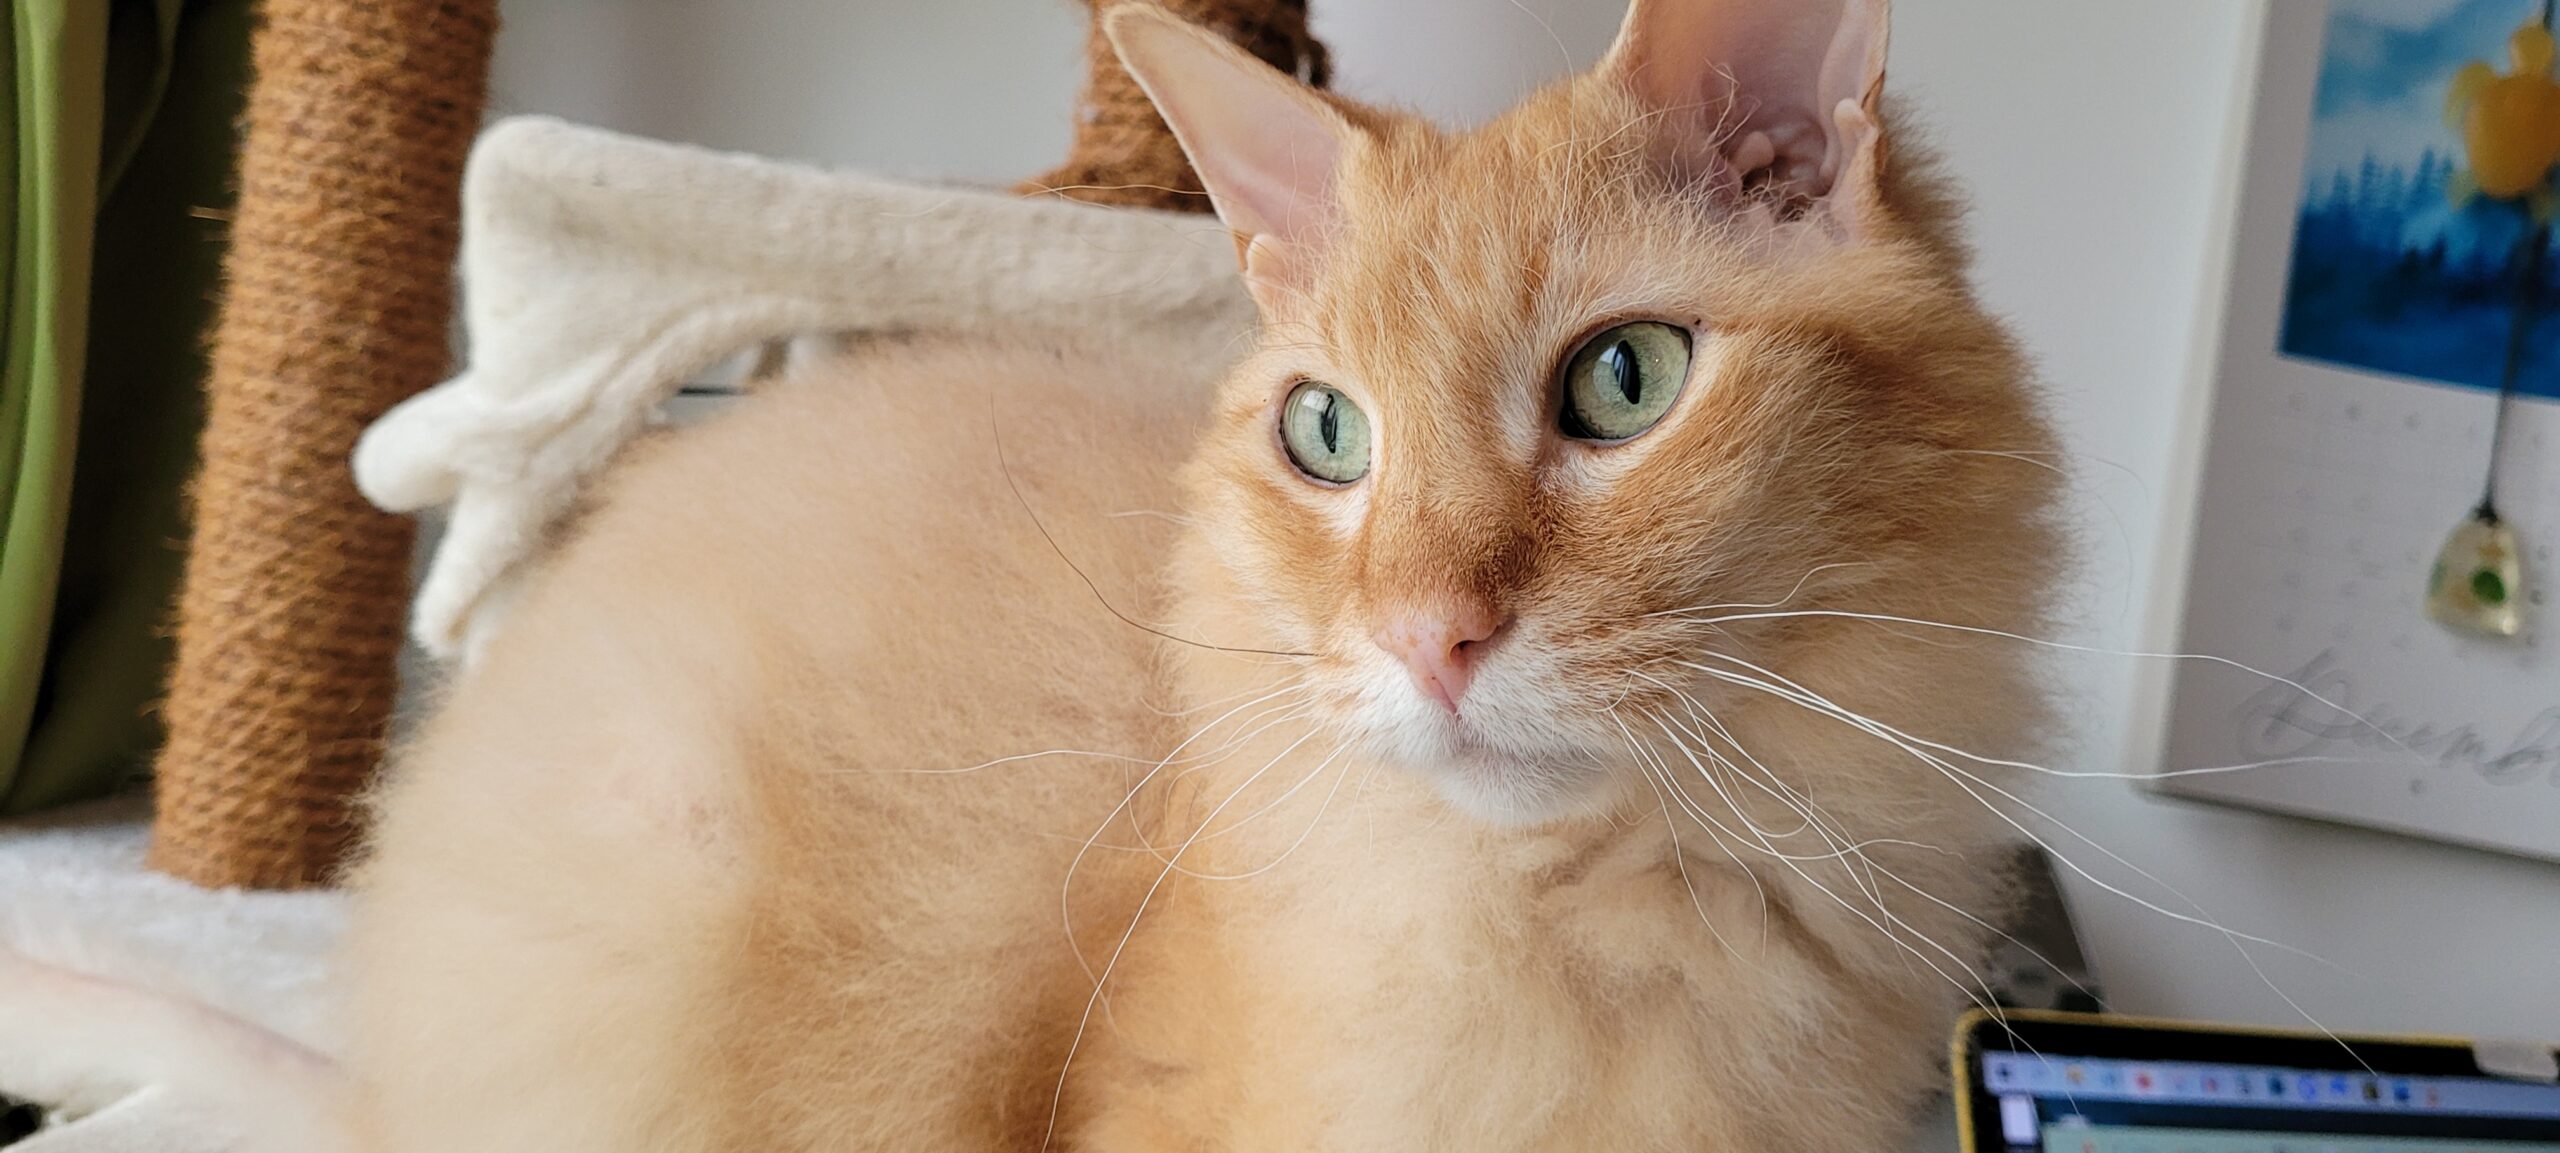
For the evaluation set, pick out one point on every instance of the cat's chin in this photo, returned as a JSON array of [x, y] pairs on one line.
[[1496, 766], [1515, 793]]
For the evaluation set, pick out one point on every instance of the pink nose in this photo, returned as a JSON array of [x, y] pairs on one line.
[[1440, 643]]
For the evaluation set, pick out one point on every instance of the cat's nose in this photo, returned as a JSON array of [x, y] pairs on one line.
[[1440, 643]]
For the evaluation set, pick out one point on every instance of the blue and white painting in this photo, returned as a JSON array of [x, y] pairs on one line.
[[2390, 273]]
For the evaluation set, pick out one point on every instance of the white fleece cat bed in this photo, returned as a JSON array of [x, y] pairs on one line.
[[601, 272], [74, 892]]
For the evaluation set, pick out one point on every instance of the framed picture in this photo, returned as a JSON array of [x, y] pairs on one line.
[[2387, 370], [2401, 265]]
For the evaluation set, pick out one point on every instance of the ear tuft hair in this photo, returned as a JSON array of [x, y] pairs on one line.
[[1775, 96]]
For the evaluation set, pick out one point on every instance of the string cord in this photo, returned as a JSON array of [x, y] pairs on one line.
[[2528, 296], [2528, 293]]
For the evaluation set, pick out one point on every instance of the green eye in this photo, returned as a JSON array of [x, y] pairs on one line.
[[1620, 382], [1327, 436]]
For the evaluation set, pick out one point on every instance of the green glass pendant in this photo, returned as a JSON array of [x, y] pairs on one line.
[[2477, 585]]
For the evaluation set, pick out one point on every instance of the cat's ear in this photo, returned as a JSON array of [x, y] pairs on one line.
[[1266, 147], [1779, 94]]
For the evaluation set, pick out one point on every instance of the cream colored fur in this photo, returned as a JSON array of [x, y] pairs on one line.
[[628, 864], [915, 758]]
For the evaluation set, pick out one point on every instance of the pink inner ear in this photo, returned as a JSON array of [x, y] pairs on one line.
[[1265, 147], [1282, 174], [1762, 78]]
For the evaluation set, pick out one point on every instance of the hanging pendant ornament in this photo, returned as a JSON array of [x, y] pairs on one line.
[[2510, 128], [2477, 585]]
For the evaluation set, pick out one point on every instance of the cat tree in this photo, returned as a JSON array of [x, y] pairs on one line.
[[1123, 154], [601, 273], [338, 286]]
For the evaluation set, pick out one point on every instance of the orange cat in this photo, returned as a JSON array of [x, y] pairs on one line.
[[1485, 742]]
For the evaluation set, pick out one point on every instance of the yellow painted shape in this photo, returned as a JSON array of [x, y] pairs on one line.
[[2510, 124]]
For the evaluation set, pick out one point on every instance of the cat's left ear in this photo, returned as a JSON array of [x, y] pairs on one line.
[[1781, 94], [1266, 147]]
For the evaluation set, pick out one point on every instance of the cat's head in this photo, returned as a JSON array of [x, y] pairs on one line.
[[1533, 400]]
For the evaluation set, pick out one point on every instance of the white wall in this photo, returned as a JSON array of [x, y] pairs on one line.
[[2091, 136], [975, 90]]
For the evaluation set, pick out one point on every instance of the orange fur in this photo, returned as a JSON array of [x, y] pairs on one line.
[[720, 847]]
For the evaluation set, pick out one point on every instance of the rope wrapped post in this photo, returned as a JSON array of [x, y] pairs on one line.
[[1123, 154], [338, 295]]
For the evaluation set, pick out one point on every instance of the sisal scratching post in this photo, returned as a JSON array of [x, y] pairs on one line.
[[338, 291], [1123, 154]]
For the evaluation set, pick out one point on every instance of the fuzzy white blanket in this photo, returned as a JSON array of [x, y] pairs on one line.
[[601, 272], [75, 895]]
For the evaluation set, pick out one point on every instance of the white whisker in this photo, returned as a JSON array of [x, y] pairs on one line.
[[1809, 811], [1102, 980], [1680, 861], [2064, 646], [1982, 1000], [1781, 602], [1066, 887], [1968, 781], [1309, 831], [1663, 771]]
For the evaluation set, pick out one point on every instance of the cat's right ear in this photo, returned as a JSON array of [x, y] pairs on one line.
[[1266, 147], [1781, 95]]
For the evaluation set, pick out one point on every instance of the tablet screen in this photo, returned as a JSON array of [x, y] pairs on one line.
[[2062, 1087]]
